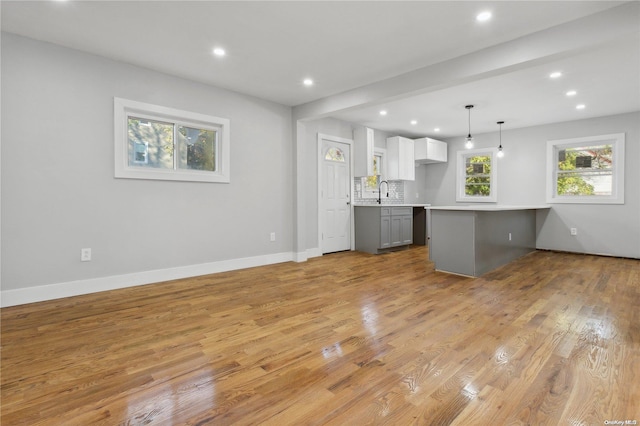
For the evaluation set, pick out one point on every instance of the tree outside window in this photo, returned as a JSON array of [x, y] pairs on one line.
[[585, 171], [371, 182], [478, 176]]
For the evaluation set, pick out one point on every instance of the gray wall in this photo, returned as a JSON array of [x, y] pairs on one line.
[[602, 229], [415, 191], [342, 129], [327, 126], [59, 193]]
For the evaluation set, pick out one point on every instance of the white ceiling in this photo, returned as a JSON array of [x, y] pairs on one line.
[[272, 46], [607, 79]]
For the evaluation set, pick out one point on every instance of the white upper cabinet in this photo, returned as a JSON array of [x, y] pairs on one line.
[[429, 150], [364, 151], [400, 159]]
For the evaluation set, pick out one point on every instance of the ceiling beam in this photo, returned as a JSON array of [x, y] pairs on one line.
[[537, 48]]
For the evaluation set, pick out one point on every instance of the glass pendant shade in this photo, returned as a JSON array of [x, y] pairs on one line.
[[468, 142]]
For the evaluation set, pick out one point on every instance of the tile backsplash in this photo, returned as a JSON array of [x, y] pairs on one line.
[[396, 193]]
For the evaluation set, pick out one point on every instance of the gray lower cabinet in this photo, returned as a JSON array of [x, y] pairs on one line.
[[379, 228]]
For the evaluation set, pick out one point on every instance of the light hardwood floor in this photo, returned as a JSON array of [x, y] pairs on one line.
[[345, 339]]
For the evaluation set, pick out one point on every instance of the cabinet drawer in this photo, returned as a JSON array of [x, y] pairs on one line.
[[385, 211], [398, 211]]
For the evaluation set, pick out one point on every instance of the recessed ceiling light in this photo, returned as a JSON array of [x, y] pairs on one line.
[[307, 82], [581, 106], [571, 93], [483, 16], [437, 129], [218, 51], [555, 74], [414, 122], [383, 112]]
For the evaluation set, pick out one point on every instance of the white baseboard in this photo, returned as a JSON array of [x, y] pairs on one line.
[[300, 256], [314, 252], [75, 288], [307, 254]]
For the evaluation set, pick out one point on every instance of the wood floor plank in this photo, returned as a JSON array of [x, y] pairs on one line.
[[346, 338]]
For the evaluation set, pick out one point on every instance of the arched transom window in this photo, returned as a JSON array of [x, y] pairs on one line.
[[334, 154]]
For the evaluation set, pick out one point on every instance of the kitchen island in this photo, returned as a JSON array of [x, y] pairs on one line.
[[473, 240]]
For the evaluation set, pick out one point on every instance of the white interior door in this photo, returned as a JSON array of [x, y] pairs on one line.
[[335, 193]]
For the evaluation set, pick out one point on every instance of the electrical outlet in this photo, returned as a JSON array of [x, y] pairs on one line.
[[85, 255], [272, 236], [574, 231]]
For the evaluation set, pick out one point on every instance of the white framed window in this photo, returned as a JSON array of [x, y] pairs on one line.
[[476, 177], [586, 170], [370, 183], [156, 142]]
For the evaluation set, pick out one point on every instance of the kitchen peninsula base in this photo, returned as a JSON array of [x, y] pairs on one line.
[[473, 240]]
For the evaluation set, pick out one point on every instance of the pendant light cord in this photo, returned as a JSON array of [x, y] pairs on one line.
[[468, 107], [500, 151]]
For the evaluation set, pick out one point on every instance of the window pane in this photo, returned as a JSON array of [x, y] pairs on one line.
[[478, 185], [479, 165], [585, 183], [371, 182], [478, 176], [334, 154], [598, 157], [585, 170], [197, 148], [150, 143]]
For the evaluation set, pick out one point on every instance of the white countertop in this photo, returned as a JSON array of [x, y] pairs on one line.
[[391, 205], [489, 207]]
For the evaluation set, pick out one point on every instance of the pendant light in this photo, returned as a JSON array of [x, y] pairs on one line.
[[469, 139], [500, 151]]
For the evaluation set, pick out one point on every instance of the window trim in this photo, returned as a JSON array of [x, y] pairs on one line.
[[461, 196], [123, 108], [616, 140]]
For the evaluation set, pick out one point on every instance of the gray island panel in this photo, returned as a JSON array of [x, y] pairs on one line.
[[471, 240], [494, 246], [452, 248]]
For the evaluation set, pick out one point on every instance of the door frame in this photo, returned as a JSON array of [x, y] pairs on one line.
[[320, 138]]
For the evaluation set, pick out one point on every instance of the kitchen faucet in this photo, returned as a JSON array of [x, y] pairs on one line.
[[379, 200]]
